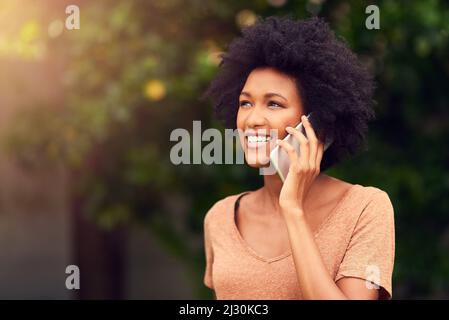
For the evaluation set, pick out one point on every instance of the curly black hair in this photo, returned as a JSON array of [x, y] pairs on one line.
[[331, 81]]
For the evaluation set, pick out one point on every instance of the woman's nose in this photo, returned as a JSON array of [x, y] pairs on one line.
[[256, 118]]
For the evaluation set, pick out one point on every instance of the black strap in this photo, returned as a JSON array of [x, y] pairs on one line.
[[237, 203]]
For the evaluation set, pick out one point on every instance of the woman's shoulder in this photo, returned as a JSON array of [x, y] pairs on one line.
[[367, 192], [366, 205], [372, 193], [221, 208], [372, 200], [358, 196]]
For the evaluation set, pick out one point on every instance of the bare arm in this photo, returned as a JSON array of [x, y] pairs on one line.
[[314, 279]]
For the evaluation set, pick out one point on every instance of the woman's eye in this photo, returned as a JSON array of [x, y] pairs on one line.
[[245, 104], [271, 104], [275, 105]]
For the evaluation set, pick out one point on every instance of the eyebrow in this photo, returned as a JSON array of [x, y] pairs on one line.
[[267, 95]]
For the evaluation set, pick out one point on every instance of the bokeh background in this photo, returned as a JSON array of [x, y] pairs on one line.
[[85, 121]]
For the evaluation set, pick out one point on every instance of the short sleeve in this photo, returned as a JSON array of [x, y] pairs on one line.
[[209, 254], [371, 249]]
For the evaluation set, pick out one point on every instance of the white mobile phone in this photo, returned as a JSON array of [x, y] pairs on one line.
[[279, 157]]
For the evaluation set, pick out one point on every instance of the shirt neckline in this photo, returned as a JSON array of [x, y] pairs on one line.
[[255, 254]]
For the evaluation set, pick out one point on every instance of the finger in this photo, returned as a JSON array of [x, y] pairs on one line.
[[313, 141], [319, 155], [289, 150], [304, 146]]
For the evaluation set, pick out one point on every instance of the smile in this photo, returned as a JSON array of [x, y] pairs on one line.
[[254, 139], [257, 141]]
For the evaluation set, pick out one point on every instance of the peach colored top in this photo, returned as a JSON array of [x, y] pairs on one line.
[[357, 239]]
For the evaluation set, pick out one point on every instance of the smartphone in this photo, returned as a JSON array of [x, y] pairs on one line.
[[279, 158]]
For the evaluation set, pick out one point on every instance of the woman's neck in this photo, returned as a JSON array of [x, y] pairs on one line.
[[272, 188]]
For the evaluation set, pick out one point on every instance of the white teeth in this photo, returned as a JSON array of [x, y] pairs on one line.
[[258, 138]]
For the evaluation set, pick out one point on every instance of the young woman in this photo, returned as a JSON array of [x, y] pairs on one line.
[[313, 236]]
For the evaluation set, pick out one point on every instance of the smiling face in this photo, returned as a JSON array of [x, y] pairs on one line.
[[269, 101]]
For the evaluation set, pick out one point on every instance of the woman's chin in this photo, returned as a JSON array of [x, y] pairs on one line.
[[256, 162]]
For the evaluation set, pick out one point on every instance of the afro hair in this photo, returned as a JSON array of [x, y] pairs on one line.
[[330, 80]]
